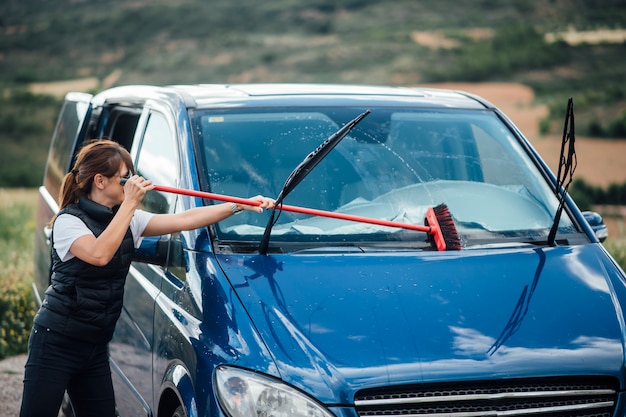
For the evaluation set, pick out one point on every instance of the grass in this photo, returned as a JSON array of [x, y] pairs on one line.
[[17, 227], [17, 306], [616, 242]]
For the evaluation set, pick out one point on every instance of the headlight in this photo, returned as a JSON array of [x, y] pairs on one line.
[[244, 394]]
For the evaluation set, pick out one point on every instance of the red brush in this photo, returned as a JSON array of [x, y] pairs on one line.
[[439, 223]]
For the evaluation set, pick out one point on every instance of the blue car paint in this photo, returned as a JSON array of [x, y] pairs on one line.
[[225, 334], [334, 322], [321, 326], [323, 323], [337, 323]]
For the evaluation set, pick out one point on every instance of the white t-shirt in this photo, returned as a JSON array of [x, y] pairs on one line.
[[67, 228]]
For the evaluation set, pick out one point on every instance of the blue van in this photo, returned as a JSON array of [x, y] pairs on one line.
[[297, 314]]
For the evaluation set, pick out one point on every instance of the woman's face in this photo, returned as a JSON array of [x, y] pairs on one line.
[[112, 188]]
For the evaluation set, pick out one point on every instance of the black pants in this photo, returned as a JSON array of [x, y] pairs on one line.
[[57, 363]]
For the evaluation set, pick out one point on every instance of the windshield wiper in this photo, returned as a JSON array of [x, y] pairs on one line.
[[567, 166], [302, 170]]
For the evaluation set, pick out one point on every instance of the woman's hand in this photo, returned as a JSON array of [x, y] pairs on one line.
[[136, 188], [266, 202]]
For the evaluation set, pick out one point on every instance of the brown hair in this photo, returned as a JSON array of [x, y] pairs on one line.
[[96, 157]]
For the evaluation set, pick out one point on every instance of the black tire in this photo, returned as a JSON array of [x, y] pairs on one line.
[[179, 412]]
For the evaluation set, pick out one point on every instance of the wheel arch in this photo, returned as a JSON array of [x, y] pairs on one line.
[[177, 389]]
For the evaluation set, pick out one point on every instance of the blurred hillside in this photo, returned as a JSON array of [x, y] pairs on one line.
[[556, 47]]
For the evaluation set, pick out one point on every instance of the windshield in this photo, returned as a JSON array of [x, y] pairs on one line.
[[393, 165]]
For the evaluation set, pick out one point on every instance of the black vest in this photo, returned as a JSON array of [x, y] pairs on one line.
[[84, 301]]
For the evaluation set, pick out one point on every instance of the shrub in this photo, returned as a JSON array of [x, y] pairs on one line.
[[617, 128], [492, 59], [585, 195], [617, 249], [17, 305], [26, 125]]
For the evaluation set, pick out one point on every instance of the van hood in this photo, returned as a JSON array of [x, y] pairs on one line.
[[336, 323]]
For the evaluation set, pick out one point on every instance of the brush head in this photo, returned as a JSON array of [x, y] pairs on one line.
[[443, 230]]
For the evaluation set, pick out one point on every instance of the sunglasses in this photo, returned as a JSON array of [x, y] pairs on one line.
[[125, 178]]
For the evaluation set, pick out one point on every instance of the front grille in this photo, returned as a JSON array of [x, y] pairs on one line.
[[536, 397]]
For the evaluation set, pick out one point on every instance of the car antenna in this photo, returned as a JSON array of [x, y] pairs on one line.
[[567, 166], [302, 170]]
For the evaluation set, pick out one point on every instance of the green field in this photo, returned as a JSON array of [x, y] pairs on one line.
[[399, 42]]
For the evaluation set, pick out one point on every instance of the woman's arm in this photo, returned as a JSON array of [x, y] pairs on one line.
[[163, 224], [100, 250]]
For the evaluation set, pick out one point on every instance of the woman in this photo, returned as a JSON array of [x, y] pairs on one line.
[[93, 239]]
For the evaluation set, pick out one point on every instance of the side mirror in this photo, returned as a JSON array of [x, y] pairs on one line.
[[597, 224], [153, 250], [161, 250]]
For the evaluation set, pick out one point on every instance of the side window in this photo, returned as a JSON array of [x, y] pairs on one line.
[[121, 125], [497, 163], [158, 162], [68, 127]]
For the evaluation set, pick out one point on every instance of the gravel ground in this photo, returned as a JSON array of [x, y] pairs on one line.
[[11, 374]]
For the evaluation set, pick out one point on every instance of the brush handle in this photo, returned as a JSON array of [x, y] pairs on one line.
[[295, 209]]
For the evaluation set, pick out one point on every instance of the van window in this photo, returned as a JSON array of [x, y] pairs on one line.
[[121, 125], [68, 127], [158, 162]]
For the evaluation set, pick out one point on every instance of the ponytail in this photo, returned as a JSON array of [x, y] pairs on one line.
[[71, 189]]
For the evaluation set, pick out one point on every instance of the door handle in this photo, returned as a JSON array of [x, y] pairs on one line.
[[47, 232]]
